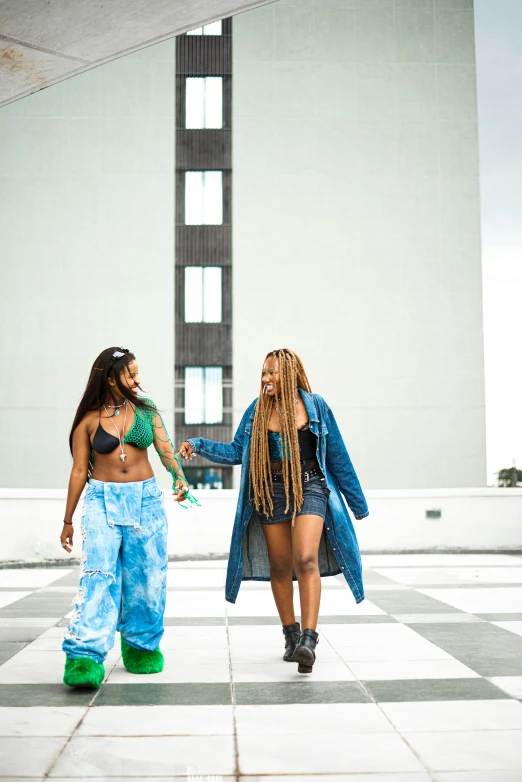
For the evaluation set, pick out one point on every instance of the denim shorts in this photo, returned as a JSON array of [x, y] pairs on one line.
[[315, 500]]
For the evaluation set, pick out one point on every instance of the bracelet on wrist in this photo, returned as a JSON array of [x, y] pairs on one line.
[[67, 522]]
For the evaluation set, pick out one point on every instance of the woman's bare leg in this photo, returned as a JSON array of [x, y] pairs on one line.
[[306, 536], [279, 544]]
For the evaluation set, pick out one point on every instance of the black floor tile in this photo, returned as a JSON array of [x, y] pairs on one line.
[[256, 693], [501, 617], [406, 601], [183, 694], [70, 579], [485, 648], [43, 695], [370, 577], [39, 604], [434, 690], [9, 649]]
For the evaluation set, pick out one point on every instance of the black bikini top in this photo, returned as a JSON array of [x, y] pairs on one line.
[[104, 442]]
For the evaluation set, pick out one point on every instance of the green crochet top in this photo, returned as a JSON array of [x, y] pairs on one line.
[[147, 429]]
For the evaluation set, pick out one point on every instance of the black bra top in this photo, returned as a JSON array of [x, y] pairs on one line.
[[104, 442]]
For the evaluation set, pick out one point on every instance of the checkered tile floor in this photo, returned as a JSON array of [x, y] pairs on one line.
[[422, 681]]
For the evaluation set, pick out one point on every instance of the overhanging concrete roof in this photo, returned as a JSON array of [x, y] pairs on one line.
[[45, 41]]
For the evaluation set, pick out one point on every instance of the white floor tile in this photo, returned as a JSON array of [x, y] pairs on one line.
[[287, 672], [319, 718], [464, 751], [29, 757], [244, 634], [6, 598], [411, 651], [157, 721], [197, 632], [31, 578], [440, 560], [195, 604], [190, 564], [404, 777], [171, 674], [510, 684], [480, 600], [412, 669], [478, 776], [334, 602], [432, 716], [513, 627], [197, 577], [183, 658], [453, 575], [146, 756], [263, 654], [320, 754], [26, 667], [392, 634], [198, 644], [39, 721]]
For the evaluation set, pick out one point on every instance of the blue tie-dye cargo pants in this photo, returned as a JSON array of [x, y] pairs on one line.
[[123, 579]]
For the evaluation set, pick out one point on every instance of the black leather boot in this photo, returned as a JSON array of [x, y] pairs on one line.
[[291, 633], [305, 651]]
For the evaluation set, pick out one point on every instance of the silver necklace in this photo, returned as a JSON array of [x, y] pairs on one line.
[[277, 406], [116, 407], [121, 436]]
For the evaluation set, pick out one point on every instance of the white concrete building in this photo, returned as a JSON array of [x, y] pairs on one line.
[[355, 234]]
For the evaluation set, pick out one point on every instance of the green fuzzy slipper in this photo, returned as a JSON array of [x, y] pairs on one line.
[[83, 672], [141, 660]]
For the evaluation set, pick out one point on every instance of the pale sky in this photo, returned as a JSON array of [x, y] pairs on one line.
[[499, 71]]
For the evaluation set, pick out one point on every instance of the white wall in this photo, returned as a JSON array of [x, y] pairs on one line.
[[356, 226], [87, 259], [472, 519]]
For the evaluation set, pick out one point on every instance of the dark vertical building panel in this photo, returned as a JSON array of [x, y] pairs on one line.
[[204, 344]]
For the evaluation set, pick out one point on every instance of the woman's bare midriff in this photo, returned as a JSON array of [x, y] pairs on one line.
[[110, 469]]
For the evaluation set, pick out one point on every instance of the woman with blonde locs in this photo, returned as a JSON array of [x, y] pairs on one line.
[[124, 527], [291, 521]]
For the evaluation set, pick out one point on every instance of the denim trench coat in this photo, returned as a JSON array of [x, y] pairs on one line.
[[338, 549]]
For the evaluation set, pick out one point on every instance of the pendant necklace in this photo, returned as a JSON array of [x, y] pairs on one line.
[[116, 408], [280, 412], [121, 437]]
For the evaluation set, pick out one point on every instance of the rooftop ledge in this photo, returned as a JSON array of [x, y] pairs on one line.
[[227, 494]]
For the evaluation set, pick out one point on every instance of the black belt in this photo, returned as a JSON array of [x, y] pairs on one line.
[[306, 475]]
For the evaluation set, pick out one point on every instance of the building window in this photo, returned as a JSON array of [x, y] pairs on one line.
[[203, 198], [203, 395], [204, 477], [214, 28], [204, 102], [203, 294]]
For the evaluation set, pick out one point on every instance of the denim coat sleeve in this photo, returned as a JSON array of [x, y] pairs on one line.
[[224, 453], [340, 466]]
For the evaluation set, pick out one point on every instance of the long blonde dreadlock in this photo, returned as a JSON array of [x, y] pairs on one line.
[[292, 376]]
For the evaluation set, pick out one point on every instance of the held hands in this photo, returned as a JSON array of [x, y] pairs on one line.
[[185, 451], [66, 538]]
